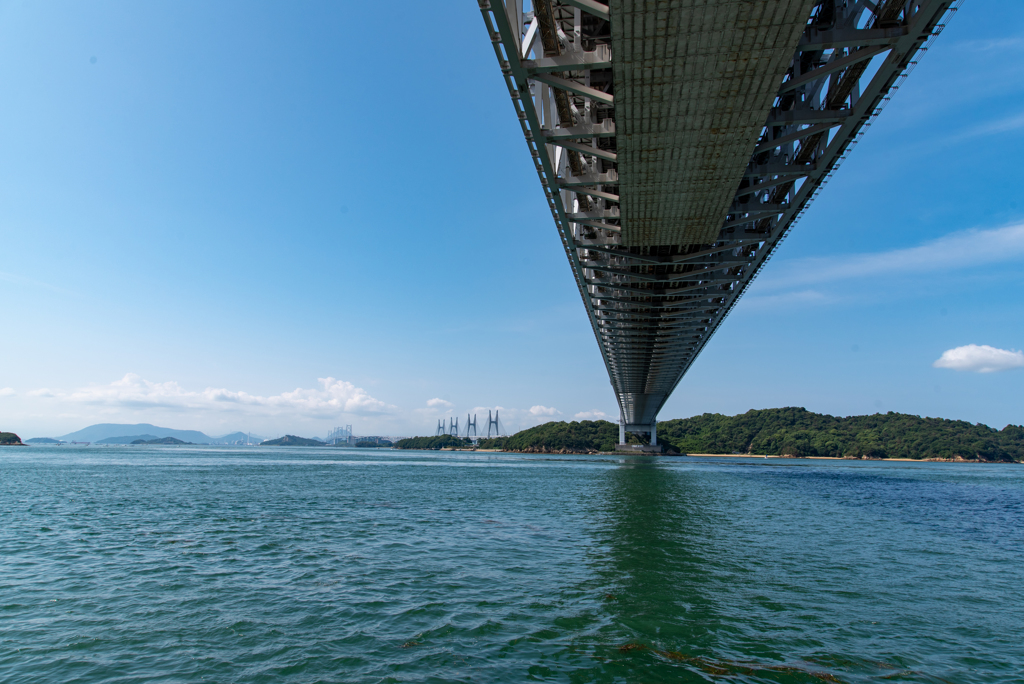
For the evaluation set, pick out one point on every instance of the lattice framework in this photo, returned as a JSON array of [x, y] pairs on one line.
[[669, 173]]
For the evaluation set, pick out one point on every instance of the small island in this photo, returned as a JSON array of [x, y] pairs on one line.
[[10, 439], [292, 440], [374, 443], [434, 443], [159, 440]]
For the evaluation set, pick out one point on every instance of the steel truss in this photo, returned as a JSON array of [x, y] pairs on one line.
[[653, 309]]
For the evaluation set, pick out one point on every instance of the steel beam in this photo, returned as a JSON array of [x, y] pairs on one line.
[[559, 63]]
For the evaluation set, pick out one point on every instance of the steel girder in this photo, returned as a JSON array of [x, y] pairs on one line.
[[653, 308]]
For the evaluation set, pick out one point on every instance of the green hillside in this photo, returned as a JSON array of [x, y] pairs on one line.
[[575, 437], [790, 431], [798, 432]]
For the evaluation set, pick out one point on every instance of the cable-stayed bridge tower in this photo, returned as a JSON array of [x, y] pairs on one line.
[[678, 142], [494, 426], [471, 432]]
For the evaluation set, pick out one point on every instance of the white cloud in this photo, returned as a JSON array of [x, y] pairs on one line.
[[333, 398], [592, 414], [543, 411], [435, 408], [956, 250], [7, 392], [980, 359], [438, 402]]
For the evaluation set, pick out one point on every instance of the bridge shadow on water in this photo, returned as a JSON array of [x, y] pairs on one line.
[[667, 569]]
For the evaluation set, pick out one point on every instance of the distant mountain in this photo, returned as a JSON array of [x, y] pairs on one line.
[[292, 440], [126, 433], [42, 440], [97, 433], [238, 437], [127, 439]]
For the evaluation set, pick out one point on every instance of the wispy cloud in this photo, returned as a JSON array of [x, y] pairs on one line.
[[436, 408], [989, 44], [543, 411], [980, 358], [1004, 125], [332, 398], [7, 392], [492, 409], [437, 402], [592, 414], [954, 251]]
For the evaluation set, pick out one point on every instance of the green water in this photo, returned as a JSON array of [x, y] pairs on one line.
[[190, 564]]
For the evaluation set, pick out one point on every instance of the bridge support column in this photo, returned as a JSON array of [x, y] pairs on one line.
[[651, 430]]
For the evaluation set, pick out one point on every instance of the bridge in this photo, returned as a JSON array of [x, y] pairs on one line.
[[678, 141]]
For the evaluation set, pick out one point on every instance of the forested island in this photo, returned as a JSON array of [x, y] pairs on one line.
[[777, 432], [439, 442], [292, 440], [375, 443], [160, 440], [799, 432], [9, 439]]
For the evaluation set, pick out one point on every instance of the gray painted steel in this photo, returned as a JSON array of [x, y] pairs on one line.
[[678, 142]]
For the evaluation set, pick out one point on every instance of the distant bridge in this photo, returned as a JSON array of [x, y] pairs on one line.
[[678, 141]]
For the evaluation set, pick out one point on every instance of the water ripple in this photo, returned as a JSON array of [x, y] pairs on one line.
[[235, 565]]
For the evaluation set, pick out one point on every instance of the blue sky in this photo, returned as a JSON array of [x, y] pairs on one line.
[[279, 218]]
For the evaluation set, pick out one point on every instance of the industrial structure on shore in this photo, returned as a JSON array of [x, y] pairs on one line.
[[678, 142]]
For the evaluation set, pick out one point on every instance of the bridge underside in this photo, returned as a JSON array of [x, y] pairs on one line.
[[677, 142]]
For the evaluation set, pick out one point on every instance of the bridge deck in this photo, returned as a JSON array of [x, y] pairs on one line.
[[694, 82], [678, 141]]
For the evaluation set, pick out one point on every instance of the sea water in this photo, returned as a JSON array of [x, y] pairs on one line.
[[191, 564]]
